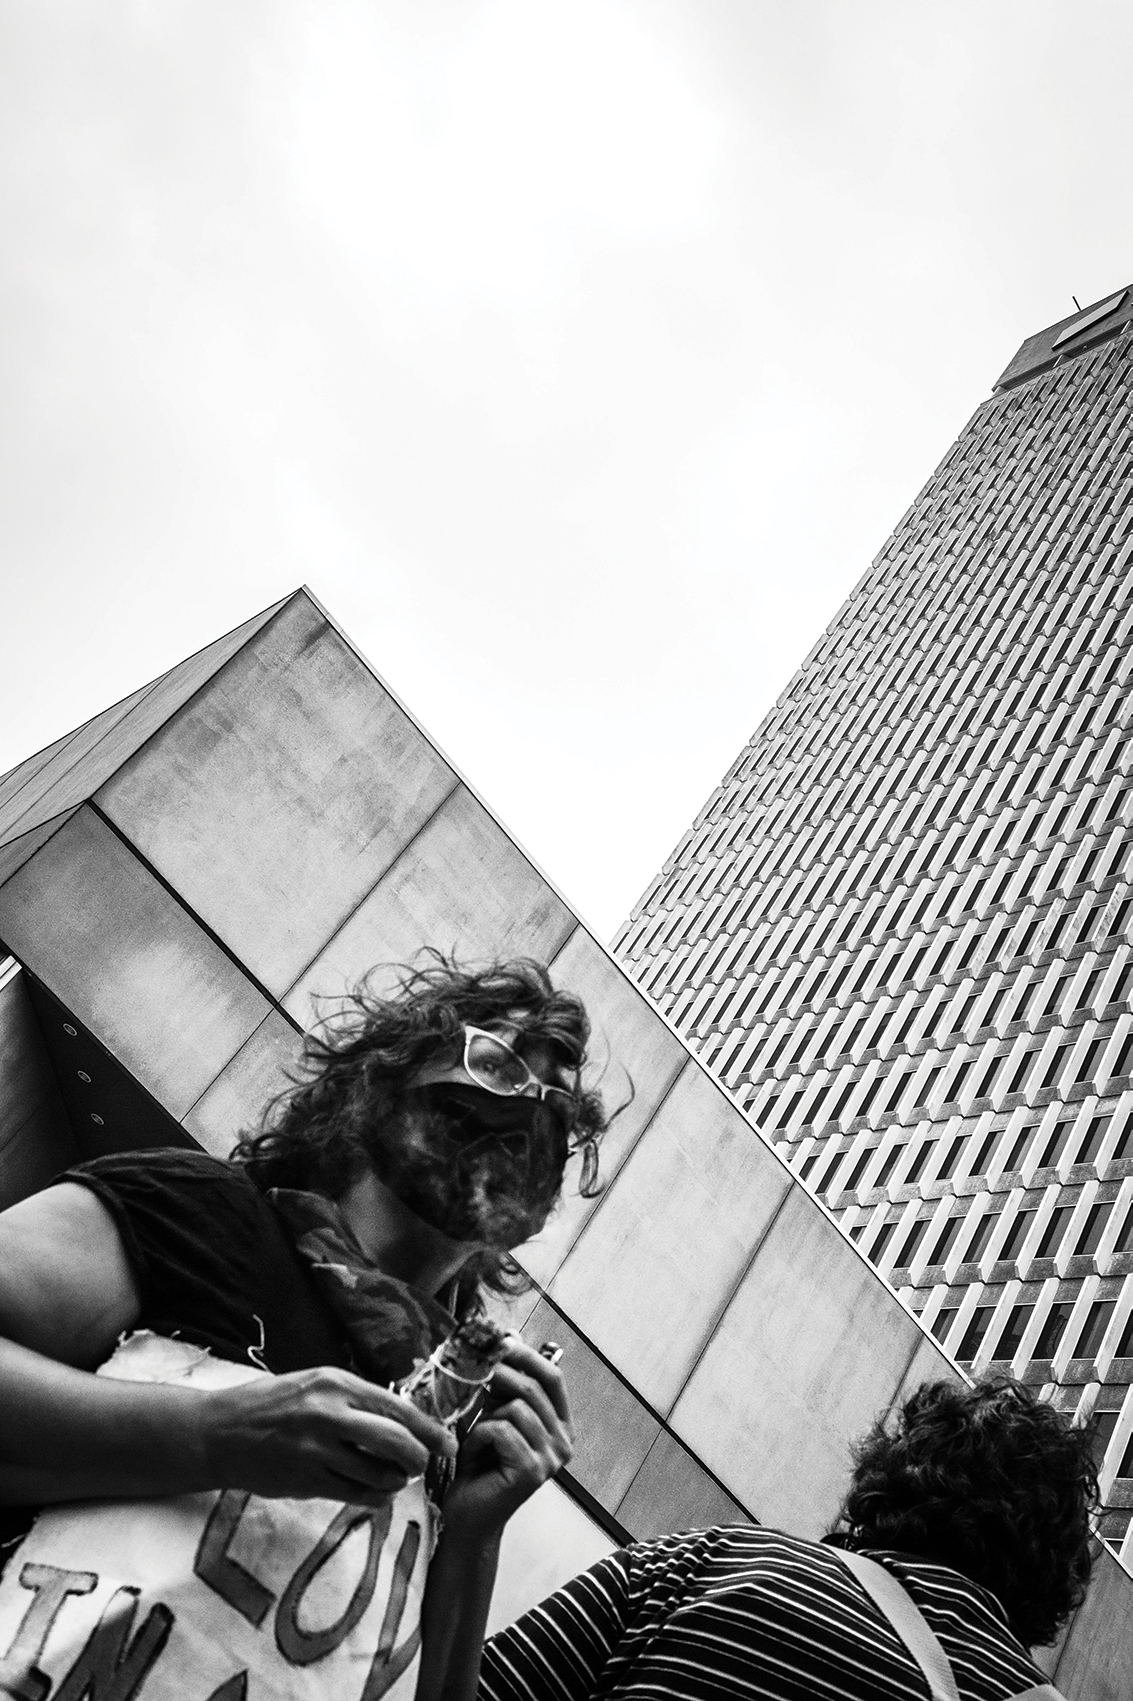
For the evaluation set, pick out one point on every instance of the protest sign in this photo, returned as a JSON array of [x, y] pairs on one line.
[[215, 1597]]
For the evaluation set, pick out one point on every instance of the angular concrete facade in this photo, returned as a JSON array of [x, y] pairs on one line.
[[181, 877]]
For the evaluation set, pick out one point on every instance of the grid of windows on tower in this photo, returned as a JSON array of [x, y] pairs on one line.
[[901, 929]]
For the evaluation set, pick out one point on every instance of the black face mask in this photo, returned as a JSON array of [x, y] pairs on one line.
[[476, 1165]]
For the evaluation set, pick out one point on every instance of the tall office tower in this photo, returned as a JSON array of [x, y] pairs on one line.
[[900, 928]]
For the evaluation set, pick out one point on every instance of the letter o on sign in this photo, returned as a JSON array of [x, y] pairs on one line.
[[301, 1647]]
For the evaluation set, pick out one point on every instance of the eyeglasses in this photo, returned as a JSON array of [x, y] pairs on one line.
[[494, 1065]]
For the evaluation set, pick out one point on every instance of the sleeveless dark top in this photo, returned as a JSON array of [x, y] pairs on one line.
[[213, 1264], [212, 1259]]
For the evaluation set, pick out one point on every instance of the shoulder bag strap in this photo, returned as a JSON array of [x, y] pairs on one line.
[[895, 1603]]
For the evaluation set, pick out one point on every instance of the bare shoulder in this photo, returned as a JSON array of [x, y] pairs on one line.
[[66, 1287]]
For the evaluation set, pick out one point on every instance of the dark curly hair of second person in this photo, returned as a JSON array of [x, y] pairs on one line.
[[322, 1132], [989, 1480]]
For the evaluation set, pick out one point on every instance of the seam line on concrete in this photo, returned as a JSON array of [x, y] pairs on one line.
[[135, 699], [370, 890], [662, 1422], [625, 1159], [908, 1366], [714, 1328], [266, 619], [211, 1084], [138, 698], [198, 921], [30, 1117], [575, 1489], [61, 820]]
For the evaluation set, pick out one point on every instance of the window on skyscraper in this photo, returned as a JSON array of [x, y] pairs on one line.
[[1053, 1329], [1017, 1234], [943, 1321], [1124, 1347], [1124, 1147], [1015, 1155], [888, 1165], [881, 1241], [1054, 1230], [1092, 1143], [1011, 1337], [1056, 1144], [1097, 1322], [913, 1173], [1124, 1239], [1102, 1426], [946, 1238], [859, 1168], [1091, 1230], [908, 1249], [975, 1332], [978, 1244], [951, 1158]]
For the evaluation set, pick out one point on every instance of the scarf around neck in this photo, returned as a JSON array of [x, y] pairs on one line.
[[391, 1326]]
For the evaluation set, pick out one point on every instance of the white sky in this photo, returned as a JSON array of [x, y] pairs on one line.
[[579, 356]]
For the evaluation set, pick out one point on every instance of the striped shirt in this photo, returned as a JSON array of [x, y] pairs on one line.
[[746, 1612]]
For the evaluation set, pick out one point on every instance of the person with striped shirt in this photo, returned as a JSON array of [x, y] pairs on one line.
[[973, 1504]]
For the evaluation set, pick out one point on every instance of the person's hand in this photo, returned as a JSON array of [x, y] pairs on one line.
[[315, 1434], [522, 1438]]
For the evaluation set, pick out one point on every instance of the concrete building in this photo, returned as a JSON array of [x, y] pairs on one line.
[[900, 929], [181, 877]]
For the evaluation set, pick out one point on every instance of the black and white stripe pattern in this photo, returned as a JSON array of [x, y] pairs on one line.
[[746, 1612]]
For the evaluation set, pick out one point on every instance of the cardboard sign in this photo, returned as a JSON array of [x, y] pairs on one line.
[[215, 1597]]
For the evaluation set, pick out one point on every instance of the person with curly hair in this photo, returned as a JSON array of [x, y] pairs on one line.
[[963, 1541], [426, 1136]]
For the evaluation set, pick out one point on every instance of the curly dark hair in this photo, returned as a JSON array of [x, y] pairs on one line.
[[989, 1480], [326, 1129]]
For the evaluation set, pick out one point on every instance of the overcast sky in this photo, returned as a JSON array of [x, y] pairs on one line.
[[578, 356]]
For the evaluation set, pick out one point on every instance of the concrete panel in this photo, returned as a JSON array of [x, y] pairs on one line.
[[1097, 1656], [73, 768], [12, 778], [549, 1541], [234, 1102], [35, 1134], [35, 1155], [107, 1109], [112, 944], [613, 1430], [26, 1078], [513, 1311], [17, 851], [660, 1257], [809, 1351], [633, 1053], [672, 1491], [276, 798], [463, 886], [24, 788], [928, 1364]]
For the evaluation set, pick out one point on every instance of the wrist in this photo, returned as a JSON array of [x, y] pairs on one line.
[[475, 1544], [163, 1439], [192, 1441]]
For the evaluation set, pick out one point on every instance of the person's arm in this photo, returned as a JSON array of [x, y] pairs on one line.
[[523, 1439], [67, 1293]]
